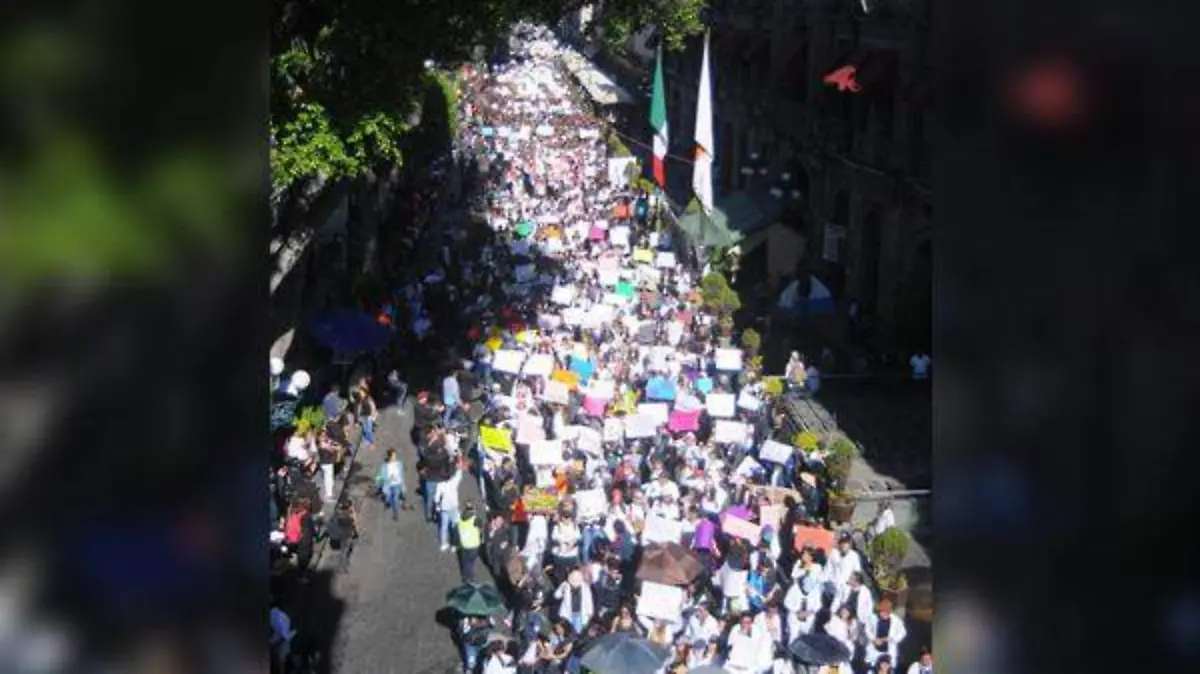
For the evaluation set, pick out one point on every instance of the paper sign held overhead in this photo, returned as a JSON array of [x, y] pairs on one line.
[[557, 392], [748, 402], [659, 412], [640, 426], [588, 440], [530, 430], [664, 260], [546, 453], [508, 361], [614, 429], [729, 431], [496, 439], [775, 452], [660, 602], [659, 529], [590, 503], [720, 405], [728, 360]]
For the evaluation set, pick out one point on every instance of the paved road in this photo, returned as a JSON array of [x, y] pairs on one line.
[[398, 578]]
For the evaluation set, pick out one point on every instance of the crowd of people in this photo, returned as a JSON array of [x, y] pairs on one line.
[[639, 490]]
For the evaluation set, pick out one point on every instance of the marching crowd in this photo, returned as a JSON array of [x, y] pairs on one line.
[[643, 509]]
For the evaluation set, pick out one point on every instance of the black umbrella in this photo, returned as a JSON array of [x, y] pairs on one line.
[[819, 649], [624, 654]]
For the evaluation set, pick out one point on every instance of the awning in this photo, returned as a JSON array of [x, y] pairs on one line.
[[602, 89], [733, 218]]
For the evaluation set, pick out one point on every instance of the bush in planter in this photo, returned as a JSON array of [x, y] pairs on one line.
[[310, 419], [839, 459], [718, 296], [751, 341], [887, 551]]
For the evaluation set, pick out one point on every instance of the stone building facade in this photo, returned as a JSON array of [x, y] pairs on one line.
[[860, 162]]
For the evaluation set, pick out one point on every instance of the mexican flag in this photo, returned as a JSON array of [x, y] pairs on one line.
[[658, 122]]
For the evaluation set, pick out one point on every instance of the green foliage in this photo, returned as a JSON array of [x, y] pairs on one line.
[[887, 551], [839, 461], [310, 419], [677, 20], [645, 184], [617, 147], [718, 296], [751, 340]]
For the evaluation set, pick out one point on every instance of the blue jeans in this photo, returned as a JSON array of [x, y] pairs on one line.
[[368, 431], [470, 657], [577, 622], [589, 535], [447, 413], [449, 516], [393, 496], [427, 495]]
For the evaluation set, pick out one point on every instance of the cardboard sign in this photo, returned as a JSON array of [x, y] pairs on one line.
[[643, 255], [740, 528], [588, 440], [817, 537], [660, 602], [720, 405], [571, 379], [728, 360], [684, 421], [640, 426], [590, 503], [557, 392], [729, 431], [496, 439], [540, 501], [771, 516], [530, 430], [659, 529], [546, 453], [508, 361], [619, 236], [614, 429], [748, 402], [775, 452], [538, 365], [664, 260], [660, 412], [748, 466]]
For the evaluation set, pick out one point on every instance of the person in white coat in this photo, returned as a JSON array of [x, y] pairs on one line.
[[749, 652], [843, 560], [802, 607], [856, 596], [924, 663], [498, 661], [843, 627], [535, 542], [575, 601], [883, 632], [884, 519]]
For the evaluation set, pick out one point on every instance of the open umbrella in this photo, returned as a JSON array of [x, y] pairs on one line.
[[819, 649], [669, 564], [624, 654], [349, 331], [478, 600], [524, 228], [708, 669]]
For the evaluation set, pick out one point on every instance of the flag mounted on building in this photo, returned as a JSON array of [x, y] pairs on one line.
[[658, 123], [702, 168]]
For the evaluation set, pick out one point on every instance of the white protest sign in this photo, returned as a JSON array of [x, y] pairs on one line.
[[729, 360], [557, 392], [545, 130], [603, 389], [563, 295], [508, 360], [720, 405], [775, 452], [538, 365], [619, 236], [597, 316], [589, 503], [660, 602], [729, 431], [572, 316], [588, 440], [747, 401], [664, 260], [660, 529], [748, 466], [614, 429], [548, 321], [640, 426], [660, 412], [609, 277], [546, 453], [531, 429]]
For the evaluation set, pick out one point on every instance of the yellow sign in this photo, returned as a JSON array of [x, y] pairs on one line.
[[494, 343], [496, 439], [567, 377], [627, 403], [643, 255], [527, 336]]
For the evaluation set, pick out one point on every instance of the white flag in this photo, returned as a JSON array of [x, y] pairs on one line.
[[702, 168]]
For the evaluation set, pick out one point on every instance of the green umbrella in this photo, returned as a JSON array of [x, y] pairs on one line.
[[477, 600], [625, 289], [524, 228]]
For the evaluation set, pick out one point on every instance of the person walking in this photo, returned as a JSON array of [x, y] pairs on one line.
[[343, 532], [391, 482], [368, 414], [469, 540], [446, 499]]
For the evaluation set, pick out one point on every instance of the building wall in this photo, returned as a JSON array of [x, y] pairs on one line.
[[880, 161]]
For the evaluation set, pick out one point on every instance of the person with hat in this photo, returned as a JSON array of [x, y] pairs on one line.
[[884, 632], [469, 540]]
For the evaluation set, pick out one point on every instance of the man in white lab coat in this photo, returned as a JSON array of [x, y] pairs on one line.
[[884, 633], [802, 601], [843, 560], [702, 626], [749, 651], [856, 596]]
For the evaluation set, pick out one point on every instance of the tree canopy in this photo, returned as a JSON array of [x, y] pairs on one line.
[[347, 76]]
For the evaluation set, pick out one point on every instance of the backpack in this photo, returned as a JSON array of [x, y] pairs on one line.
[[294, 528]]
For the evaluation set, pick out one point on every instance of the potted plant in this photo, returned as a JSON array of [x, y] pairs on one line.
[[887, 551], [751, 342], [310, 420], [838, 461], [722, 300]]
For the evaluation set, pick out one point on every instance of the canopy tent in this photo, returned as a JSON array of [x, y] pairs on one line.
[[732, 218], [819, 300], [599, 86]]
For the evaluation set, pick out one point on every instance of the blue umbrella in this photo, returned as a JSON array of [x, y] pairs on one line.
[[349, 331], [659, 388]]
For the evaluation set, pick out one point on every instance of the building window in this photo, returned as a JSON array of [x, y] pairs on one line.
[[833, 243]]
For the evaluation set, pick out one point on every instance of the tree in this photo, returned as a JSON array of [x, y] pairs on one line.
[[347, 76]]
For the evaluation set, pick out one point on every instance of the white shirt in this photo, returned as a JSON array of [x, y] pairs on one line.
[[446, 493], [839, 566], [746, 652], [300, 448], [566, 539], [702, 630], [915, 668], [883, 521], [500, 664]]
